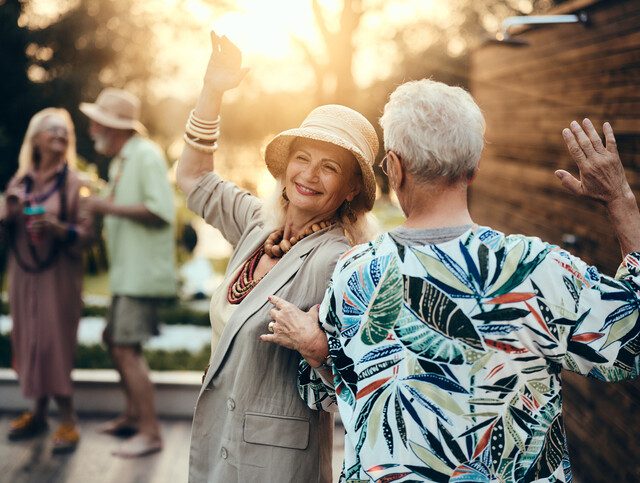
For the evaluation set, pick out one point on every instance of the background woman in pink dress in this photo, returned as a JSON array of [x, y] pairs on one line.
[[45, 228]]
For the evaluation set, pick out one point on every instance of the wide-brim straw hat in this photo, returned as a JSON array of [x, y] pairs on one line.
[[115, 108], [338, 125]]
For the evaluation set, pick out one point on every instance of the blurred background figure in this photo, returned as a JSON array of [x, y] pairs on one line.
[[196, 275], [139, 224], [45, 226]]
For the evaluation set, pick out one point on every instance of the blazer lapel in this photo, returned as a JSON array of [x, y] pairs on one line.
[[272, 282]]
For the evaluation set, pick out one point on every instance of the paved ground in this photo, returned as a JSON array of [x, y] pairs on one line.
[[32, 461]]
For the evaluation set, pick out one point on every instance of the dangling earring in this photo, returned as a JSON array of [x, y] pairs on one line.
[[348, 211], [284, 194]]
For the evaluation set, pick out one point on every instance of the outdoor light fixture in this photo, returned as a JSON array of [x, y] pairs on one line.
[[504, 37]]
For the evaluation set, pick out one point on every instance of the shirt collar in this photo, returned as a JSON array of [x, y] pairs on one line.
[[31, 173], [128, 147]]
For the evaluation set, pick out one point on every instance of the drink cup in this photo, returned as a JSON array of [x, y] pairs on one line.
[[33, 213]]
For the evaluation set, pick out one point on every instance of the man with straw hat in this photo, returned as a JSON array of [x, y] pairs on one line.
[[139, 218]]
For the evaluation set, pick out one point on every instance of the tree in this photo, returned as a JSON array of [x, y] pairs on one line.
[[18, 104], [91, 45]]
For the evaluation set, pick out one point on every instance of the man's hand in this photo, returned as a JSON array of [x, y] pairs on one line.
[[602, 175], [602, 178], [297, 330]]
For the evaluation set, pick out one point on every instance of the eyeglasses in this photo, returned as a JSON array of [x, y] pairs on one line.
[[384, 165], [61, 130]]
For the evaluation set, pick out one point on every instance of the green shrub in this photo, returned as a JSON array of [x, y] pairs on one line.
[[95, 356], [172, 314]]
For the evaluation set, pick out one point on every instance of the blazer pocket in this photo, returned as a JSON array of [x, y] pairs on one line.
[[272, 430]]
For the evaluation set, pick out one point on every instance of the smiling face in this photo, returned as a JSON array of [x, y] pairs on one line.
[[53, 136], [320, 176]]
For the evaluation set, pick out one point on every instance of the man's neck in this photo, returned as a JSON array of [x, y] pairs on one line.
[[119, 142], [435, 206]]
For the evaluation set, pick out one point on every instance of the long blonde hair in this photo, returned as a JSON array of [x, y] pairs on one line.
[[26, 156]]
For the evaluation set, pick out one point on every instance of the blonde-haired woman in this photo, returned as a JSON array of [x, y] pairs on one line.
[[45, 228]]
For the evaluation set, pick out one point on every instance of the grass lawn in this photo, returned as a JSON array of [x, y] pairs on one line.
[[97, 284]]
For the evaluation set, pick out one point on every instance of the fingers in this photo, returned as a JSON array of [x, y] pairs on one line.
[[610, 139], [569, 182], [278, 302], [574, 148], [242, 74], [229, 48], [215, 41], [593, 136], [315, 312], [582, 138], [269, 338]]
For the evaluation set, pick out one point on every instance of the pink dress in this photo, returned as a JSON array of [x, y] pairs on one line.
[[45, 288]]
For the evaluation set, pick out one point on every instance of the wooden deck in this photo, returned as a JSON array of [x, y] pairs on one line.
[[32, 462]]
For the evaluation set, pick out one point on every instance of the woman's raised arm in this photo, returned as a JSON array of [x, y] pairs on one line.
[[224, 72]]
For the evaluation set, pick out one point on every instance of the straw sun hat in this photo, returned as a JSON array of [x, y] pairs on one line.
[[116, 109], [338, 125]]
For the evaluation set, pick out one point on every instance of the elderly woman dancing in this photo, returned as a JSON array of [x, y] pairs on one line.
[[250, 423], [45, 226]]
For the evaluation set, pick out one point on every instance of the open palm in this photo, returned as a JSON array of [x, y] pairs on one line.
[[225, 70]]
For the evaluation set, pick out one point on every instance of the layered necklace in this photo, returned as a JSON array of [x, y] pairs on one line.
[[274, 247]]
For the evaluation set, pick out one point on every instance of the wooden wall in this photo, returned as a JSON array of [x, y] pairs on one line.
[[528, 94]]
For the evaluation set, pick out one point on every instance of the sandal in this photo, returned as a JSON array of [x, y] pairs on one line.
[[66, 438], [26, 426]]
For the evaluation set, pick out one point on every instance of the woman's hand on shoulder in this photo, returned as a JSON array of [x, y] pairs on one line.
[[224, 70]]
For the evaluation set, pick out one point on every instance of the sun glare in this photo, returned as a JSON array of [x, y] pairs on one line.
[[268, 29]]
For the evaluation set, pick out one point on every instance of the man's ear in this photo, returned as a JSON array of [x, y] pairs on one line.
[[396, 171], [473, 175]]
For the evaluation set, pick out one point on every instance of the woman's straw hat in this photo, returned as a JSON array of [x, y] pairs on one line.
[[338, 125], [116, 109]]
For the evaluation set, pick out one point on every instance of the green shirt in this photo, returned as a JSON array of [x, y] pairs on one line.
[[141, 257]]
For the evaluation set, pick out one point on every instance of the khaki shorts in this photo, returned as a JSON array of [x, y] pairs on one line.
[[131, 320]]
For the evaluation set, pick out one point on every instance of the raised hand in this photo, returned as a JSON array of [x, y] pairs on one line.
[[224, 70], [602, 175]]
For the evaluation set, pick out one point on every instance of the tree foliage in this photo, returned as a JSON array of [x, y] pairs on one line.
[[93, 44]]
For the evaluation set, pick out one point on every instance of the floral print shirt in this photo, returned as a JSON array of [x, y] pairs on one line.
[[447, 358]]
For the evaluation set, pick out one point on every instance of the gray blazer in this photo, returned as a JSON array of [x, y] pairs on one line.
[[250, 423]]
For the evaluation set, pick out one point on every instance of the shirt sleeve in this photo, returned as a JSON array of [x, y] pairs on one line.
[[316, 386], [157, 193], [604, 341], [224, 205]]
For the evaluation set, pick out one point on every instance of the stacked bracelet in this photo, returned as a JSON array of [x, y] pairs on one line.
[[202, 135]]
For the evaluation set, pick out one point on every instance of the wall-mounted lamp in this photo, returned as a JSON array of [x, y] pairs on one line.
[[504, 37]]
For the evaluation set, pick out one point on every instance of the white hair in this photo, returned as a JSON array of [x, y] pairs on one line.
[[436, 129], [27, 152]]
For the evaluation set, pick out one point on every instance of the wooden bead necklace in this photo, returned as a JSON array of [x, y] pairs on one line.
[[274, 247]]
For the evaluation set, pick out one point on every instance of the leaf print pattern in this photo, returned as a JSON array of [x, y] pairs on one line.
[[447, 358]]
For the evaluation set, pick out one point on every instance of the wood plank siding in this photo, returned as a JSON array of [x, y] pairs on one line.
[[528, 95]]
